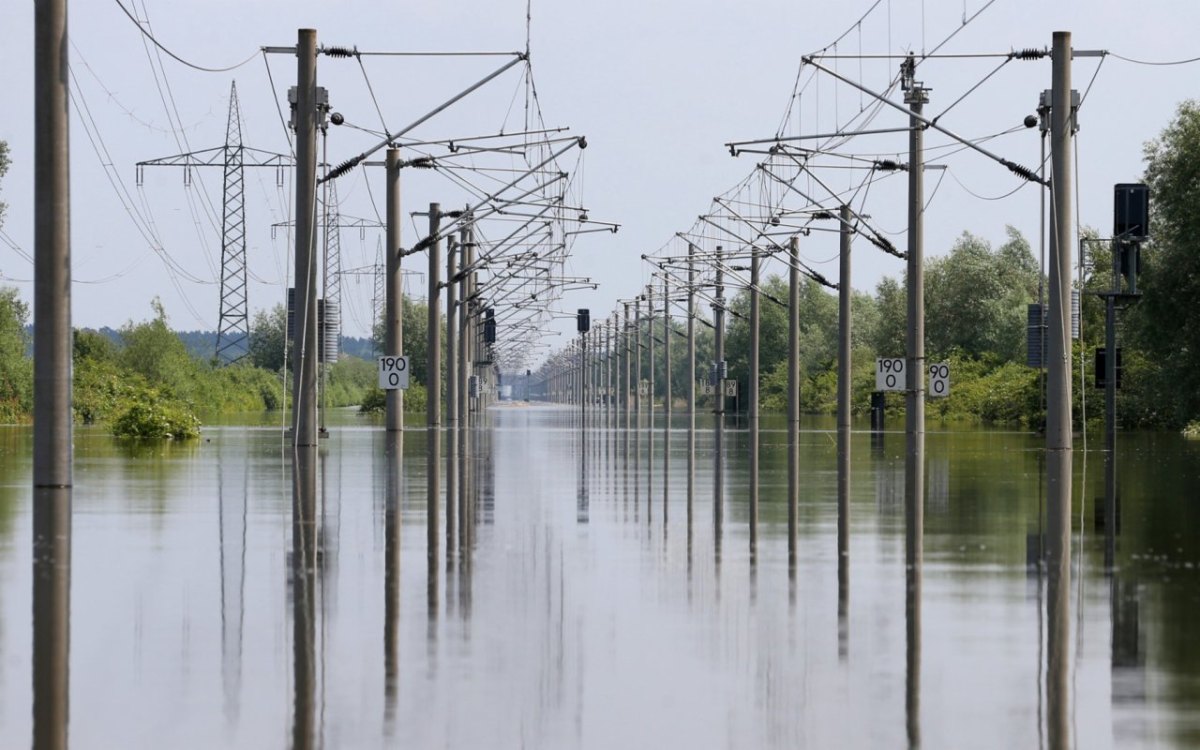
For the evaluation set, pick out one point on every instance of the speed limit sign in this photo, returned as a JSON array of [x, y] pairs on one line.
[[393, 373], [939, 380], [889, 374]]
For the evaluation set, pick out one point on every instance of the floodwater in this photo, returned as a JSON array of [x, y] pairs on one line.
[[223, 594]]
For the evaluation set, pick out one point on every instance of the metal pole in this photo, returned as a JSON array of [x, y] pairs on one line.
[[433, 391], [752, 395], [393, 329], [1110, 353], [793, 396], [304, 329], [719, 401]]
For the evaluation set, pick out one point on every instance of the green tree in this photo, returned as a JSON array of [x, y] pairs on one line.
[[891, 303], [4, 162], [1165, 325], [975, 297], [16, 369], [415, 320], [152, 350], [268, 338]]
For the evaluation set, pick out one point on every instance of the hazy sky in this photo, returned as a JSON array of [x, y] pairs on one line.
[[657, 88]]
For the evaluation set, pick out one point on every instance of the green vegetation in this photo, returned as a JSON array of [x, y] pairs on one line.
[[16, 370]]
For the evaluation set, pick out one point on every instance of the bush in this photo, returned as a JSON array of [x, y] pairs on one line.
[[375, 400], [156, 418]]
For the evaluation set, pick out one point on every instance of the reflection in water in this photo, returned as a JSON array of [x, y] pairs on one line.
[[233, 489], [582, 509], [553, 633], [1127, 654], [1058, 598], [304, 566], [914, 551], [391, 574], [51, 616]]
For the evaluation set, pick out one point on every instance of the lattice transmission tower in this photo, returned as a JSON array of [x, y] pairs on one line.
[[233, 329]]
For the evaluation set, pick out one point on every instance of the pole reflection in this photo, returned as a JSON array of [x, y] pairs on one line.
[[304, 565], [231, 509], [51, 616], [582, 508], [914, 539], [1058, 598], [391, 574]]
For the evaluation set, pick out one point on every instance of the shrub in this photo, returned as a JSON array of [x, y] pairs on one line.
[[155, 418]]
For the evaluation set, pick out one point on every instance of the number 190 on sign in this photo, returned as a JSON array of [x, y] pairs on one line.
[[889, 374], [393, 373]]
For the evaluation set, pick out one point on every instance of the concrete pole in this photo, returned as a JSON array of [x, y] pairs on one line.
[[719, 400], [845, 377], [1058, 401], [914, 484], [52, 426], [752, 395], [467, 256], [666, 296], [914, 469], [628, 380], [637, 344], [650, 389], [393, 327], [451, 392], [691, 386], [304, 330], [1058, 417], [793, 396], [650, 401], [609, 412], [433, 394]]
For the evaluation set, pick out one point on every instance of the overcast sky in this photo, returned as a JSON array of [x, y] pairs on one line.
[[657, 87]]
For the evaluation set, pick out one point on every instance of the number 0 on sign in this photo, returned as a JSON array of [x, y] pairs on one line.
[[889, 374], [393, 373]]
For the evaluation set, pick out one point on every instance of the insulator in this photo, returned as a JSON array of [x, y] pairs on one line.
[[339, 51], [1021, 171], [1029, 53], [343, 168]]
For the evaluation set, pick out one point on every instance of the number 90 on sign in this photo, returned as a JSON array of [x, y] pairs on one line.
[[939, 380], [393, 373]]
